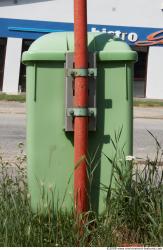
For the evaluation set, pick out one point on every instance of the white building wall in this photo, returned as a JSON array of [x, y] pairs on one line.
[[154, 87], [12, 65], [140, 13]]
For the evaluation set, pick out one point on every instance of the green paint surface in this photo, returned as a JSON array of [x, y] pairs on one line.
[[50, 149]]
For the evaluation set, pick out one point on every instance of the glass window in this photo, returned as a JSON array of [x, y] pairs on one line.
[[140, 72], [3, 42], [22, 78]]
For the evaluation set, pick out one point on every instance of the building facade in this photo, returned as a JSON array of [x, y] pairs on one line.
[[139, 23]]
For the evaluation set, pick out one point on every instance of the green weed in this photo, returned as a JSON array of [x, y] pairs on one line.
[[134, 208]]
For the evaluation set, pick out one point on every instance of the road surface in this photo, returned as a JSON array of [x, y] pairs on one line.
[[144, 143], [13, 130]]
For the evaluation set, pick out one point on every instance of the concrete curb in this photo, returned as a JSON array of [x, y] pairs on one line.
[[12, 112], [148, 112], [149, 117], [12, 107]]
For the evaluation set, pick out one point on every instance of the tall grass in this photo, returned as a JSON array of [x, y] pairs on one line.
[[135, 205], [134, 208]]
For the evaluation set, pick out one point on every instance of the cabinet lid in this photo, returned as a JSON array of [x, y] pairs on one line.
[[54, 46]]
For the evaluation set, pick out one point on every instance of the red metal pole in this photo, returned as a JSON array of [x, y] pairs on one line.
[[80, 101]]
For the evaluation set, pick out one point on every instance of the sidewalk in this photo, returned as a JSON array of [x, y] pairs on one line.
[[11, 107], [148, 112], [139, 112]]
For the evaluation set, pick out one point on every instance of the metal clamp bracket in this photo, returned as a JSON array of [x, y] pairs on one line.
[[81, 112], [72, 111], [91, 72]]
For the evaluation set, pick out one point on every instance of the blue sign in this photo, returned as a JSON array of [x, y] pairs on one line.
[[31, 29]]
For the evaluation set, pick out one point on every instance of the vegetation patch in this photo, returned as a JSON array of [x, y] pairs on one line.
[[138, 102], [133, 214], [147, 103], [16, 98]]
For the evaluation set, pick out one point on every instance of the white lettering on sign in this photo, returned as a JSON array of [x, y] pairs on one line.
[[123, 36], [118, 33], [94, 30], [104, 30], [111, 33], [132, 36]]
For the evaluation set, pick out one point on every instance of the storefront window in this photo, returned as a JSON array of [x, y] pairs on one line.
[[3, 42], [22, 79], [140, 72]]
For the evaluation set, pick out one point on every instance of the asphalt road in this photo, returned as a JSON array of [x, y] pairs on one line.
[[13, 130], [144, 143]]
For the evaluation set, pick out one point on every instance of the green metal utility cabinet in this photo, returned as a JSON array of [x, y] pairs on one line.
[[50, 150]]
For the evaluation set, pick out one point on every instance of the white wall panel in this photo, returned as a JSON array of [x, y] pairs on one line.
[[140, 13], [154, 87], [12, 65]]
